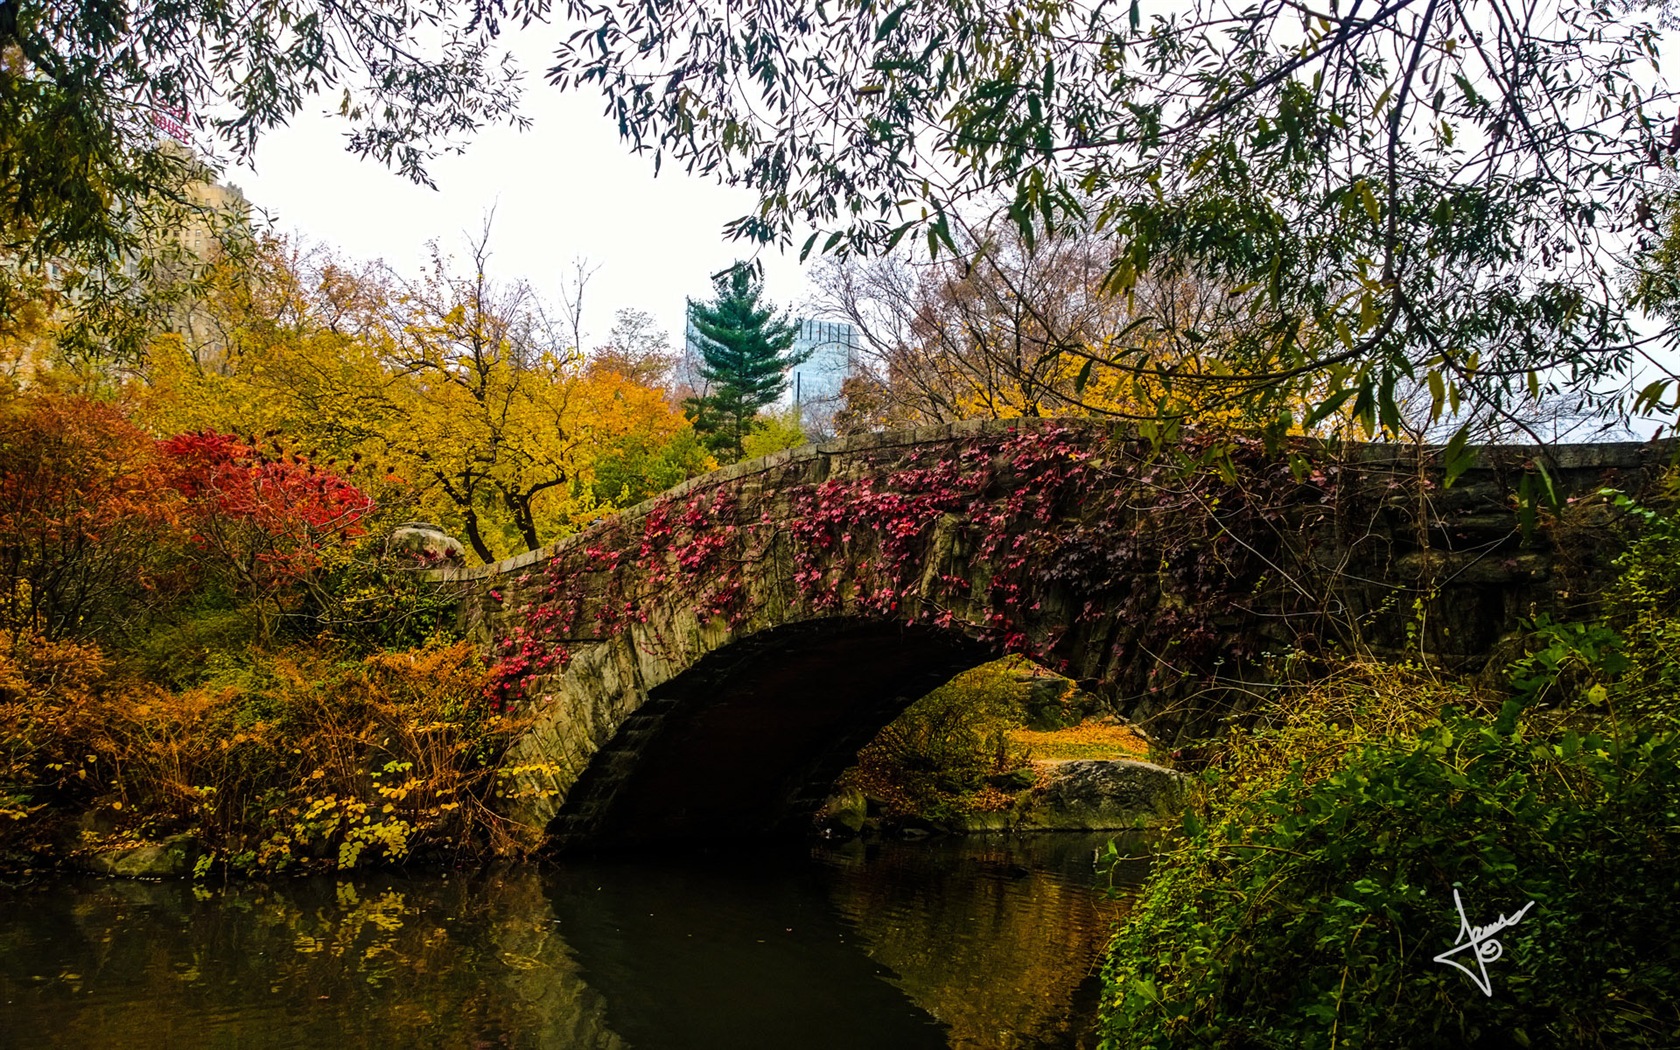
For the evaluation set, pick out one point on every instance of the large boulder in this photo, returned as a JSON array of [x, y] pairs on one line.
[[424, 545], [1051, 701], [1103, 795], [844, 815]]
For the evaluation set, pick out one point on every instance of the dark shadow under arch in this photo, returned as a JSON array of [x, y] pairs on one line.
[[747, 743]]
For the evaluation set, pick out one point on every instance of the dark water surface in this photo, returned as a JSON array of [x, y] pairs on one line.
[[956, 943]]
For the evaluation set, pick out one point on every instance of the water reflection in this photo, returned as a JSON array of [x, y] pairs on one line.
[[998, 939], [313, 963], [725, 953], [929, 945]]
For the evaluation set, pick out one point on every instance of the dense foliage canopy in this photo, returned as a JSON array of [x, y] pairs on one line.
[[113, 117], [1424, 192], [85, 89]]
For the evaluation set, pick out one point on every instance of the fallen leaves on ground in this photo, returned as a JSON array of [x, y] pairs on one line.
[[1093, 739]]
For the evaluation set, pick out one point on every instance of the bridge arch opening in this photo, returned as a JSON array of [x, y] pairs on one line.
[[747, 743]]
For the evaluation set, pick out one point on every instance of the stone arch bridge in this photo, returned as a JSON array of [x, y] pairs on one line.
[[705, 664]]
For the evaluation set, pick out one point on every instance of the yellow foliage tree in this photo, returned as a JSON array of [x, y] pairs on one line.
[[449, 394], [774, 432]]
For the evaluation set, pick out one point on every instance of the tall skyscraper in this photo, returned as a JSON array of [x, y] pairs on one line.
[[814, 386]]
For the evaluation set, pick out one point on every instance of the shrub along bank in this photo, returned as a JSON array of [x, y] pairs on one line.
[[1314, 888], [203, 638], [297, 759]]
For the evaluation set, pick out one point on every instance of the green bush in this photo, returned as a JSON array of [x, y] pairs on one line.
[[372, 605], [1626, 660], [200, 645], [950, 752], [1644, 605], [1306, 904]]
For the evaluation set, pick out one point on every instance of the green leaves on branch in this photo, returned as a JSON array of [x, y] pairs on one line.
[[91, 94], [1373, 186]]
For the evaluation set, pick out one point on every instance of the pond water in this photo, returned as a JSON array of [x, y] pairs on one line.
[[981, 942]]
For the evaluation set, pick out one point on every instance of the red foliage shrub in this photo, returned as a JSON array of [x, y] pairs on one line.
[[262, 523]]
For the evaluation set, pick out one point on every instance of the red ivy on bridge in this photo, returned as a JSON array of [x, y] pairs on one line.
[[1046, 513]]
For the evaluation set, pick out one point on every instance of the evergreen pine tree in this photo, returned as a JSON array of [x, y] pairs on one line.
[[746, 352]]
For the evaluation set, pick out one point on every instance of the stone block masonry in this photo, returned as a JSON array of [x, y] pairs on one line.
[[698, 665]]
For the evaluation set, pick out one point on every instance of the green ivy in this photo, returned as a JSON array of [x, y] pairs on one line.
[[1562, 655], [1645, 606]]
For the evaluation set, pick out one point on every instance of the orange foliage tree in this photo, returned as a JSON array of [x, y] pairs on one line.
[[88, 525]]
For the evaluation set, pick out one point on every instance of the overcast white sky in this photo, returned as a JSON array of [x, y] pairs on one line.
[[566, 187]]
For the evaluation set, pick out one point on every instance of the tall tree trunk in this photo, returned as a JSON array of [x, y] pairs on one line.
[[470, 516], [526, 520]]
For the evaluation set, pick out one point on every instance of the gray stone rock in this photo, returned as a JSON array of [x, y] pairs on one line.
[[1100, 795], [174, 857], [979, 823], [424, 544], [844, 814], [1052, 701]]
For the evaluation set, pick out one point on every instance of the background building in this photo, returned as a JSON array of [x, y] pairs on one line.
[[814, 387]]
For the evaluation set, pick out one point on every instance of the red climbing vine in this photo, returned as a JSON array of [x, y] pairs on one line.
[[1060, 542]]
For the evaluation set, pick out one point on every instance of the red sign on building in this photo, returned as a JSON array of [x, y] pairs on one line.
[[172, 121]]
